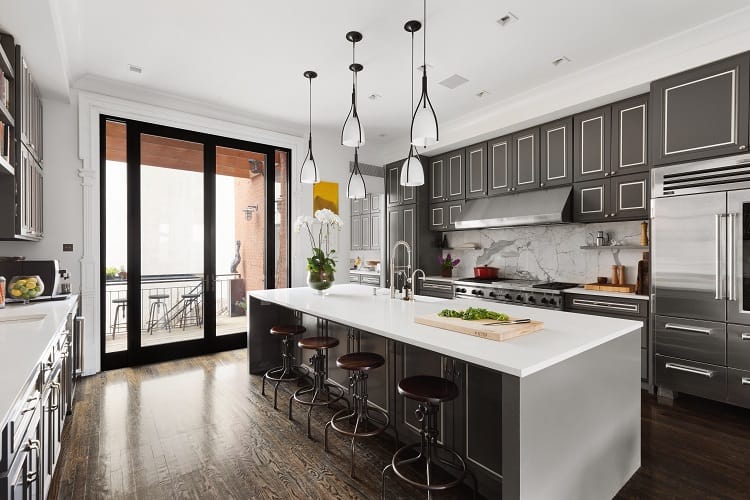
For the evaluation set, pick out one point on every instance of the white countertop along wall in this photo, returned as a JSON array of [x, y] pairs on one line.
[[564, 335], [26, 331]]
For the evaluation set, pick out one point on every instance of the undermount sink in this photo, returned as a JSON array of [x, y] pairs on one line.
[[29, 318]]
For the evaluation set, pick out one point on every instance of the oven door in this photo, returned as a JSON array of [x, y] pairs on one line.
[[738, 258]]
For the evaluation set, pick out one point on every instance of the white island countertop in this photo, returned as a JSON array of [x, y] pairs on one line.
[[26, 331], [564, 335]]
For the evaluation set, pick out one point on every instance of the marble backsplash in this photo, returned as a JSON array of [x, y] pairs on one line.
[[549, 253]]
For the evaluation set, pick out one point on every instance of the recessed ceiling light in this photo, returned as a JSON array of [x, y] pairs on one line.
[[482, 93], [507, 19], [453, 81], [374, 97], [560, 60], [135, 69]]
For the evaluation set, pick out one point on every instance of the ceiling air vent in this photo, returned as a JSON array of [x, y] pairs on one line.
[[453, 81], [135, 69], [560, 60], [507, 19]]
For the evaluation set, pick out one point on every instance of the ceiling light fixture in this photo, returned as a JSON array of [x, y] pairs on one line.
[[560, 60], [356, 188], [424, 123], [412, 173], [309, 172], [352, 134]]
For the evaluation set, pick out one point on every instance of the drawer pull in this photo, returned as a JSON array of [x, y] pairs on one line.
[[606, 305], [437, 287], [745, 381], [689, 369], [685, 328], [745, 336]]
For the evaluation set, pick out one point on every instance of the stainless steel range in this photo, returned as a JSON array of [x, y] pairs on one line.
[[522, 292]]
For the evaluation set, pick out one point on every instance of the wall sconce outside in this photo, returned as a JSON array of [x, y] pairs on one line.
[[248, 211]]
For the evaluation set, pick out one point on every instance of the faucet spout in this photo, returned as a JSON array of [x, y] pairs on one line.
[[407, 267]]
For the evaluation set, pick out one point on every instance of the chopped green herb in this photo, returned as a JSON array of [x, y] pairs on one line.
[[474, 313]]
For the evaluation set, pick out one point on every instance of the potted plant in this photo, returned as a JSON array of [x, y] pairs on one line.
[[322, 265], [447, 264]]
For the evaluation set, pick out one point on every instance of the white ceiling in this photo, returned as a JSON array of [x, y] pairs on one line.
[[249, 55]]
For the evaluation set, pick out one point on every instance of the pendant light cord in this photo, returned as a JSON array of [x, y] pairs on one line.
[[424, 46], [310, 110]]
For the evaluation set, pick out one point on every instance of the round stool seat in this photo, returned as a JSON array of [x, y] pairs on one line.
[[360, 361], [159, 296], [428, 389], [191, 295], [318, 342], [287, 330], [119, 301]]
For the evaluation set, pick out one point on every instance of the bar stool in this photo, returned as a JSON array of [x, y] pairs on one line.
[[318, 361], [429, 392], [288, 371], [122, 304], [358, 364], [158, 312], [191, 304]]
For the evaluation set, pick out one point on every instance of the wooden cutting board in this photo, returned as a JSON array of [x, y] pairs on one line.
[[478, 328], [610, 287]]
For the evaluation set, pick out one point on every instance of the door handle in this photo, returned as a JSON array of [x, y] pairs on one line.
[[718, 291], [689, 369], [685, 328], [745, 381], [731, 285], [745, 336]]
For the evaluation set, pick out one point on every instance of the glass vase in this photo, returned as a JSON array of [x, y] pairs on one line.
[[25, 288], [320, 281]]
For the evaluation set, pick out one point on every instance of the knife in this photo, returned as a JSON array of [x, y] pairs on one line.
[[511, 322]]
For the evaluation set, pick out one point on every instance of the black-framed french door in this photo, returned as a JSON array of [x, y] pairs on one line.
[[189, 223]]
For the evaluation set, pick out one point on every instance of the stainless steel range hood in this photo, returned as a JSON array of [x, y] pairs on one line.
[[547, 206]]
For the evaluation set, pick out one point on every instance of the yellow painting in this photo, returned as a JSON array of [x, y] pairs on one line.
[[326, 195]]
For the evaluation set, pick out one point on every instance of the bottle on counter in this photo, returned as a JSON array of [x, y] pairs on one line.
[[2, 292]]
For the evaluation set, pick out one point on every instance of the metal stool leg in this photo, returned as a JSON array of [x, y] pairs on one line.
[[151, 310]]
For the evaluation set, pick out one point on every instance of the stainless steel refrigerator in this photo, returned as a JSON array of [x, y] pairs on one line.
[[700, 278]]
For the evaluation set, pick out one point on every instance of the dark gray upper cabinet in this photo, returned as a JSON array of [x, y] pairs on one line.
[[395, 193], [443, 216], [629, 199], [556, 153], [454, 175], [630, 136], [591, 154], [366, 231], [526, 160], [437, 179], [702, 112], [364, 205], [375, 202], [476, 171], [591, 200], [499, 161]]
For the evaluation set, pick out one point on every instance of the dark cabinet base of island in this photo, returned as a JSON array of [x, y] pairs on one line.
[[484, 424]]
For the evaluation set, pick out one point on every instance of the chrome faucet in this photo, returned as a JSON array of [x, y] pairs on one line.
[[413, 283], [393, 264]]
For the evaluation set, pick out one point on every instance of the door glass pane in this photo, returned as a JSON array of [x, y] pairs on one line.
[[171, 240], [281, 221], [116, 238], [240, 234]]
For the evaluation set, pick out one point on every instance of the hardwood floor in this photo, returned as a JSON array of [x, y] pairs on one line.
[[199, 428]]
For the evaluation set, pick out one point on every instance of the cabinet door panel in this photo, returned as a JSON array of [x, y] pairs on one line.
[[500, 173], [375, 202], [378, 381], [630, 196], [375, 231], [365, 204], [483, 401], [356, 232], [366, 232], [702, 112], [409, 233], [630, 135], [455, 177], [526, 160], [454, 212], [438, 218], [392, 184], [592, 141], [591, 201], [557, 153], [418, 361], [356, 207], [476, 171], [394, 230], [342, 334], [437, 179]]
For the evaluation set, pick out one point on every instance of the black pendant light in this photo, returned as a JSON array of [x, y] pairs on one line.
[[424, 123], [412, 173], [352, 134], [309, 172], [356, 188]]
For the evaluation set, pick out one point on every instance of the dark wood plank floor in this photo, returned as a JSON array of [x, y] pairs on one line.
[[199, 428]]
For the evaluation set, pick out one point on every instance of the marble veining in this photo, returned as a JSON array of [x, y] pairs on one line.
[[549, 253]]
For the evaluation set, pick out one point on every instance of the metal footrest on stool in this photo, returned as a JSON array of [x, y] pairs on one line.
[[315, 399], [281, 374]]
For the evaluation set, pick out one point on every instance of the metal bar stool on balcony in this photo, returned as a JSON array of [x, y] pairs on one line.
[[428, 392], [191, 305], [122, 305], [157, 312], [318, 361], [358, 364], [288, 371]]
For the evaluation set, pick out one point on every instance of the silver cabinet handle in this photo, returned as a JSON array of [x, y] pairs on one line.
[[689, 369], [745, 336], [719, 292], [606, 305], [686, 328], [745, 381], [731, 287]]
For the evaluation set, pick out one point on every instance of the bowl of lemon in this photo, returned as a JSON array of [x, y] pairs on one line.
[[25, 288]]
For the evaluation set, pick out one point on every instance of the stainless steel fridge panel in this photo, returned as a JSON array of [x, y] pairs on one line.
[[738, 255], [688, 248]]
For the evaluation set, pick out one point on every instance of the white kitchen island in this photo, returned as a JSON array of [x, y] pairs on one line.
[[568, 410]]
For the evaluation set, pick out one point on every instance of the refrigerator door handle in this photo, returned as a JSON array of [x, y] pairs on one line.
[[719, 247], [731, 264]]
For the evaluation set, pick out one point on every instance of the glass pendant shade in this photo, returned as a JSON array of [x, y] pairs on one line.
[[412, 173], [353, 135]]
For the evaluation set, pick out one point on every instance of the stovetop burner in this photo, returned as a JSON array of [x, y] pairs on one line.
[[555, 285]]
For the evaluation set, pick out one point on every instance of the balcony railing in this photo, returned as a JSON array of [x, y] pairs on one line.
[[174, 286]]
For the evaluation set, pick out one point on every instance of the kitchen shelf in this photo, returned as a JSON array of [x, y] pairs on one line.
[[614, 247], [6, 168]]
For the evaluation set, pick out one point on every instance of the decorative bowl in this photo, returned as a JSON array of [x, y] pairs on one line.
[[25, 288]]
